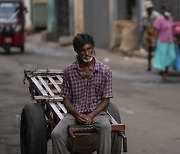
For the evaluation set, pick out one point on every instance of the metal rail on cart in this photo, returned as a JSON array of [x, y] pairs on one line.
[[45, 87]]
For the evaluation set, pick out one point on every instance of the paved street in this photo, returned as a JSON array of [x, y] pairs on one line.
[[149, 107]]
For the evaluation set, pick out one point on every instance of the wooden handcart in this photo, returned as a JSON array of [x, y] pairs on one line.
[[39, 119]]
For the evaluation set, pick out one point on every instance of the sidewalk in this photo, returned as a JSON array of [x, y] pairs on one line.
[[37, 37]]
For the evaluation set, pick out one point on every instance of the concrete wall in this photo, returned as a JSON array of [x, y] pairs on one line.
[[78, 16], [63, 17], [51, 17], [121, 9], [39, 15], [97, 21]]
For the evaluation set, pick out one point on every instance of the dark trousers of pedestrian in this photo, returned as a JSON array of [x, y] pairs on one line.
[[149, 58], [101, 123]]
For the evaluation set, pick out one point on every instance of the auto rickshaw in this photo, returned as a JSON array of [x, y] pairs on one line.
[[12, 21]]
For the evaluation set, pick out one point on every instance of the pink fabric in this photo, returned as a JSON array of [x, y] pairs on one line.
[[164, 27], [176, 28]]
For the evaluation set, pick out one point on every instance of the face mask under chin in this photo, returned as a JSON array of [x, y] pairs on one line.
[[167, 14], [86, 60]]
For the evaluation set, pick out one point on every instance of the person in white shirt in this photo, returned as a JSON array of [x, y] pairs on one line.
[[149, 33]]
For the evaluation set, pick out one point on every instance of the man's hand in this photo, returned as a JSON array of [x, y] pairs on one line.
[[89, 120], [81, 118], [84, 119]]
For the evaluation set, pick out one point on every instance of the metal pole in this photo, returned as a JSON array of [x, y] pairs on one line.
[[179, 10], [139, 26], [71, 22], [51, 14]]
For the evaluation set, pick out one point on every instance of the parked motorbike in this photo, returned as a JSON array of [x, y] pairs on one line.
[[12, 21]]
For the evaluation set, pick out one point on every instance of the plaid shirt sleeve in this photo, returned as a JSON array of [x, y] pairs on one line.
[[66, 90], [107, 93]]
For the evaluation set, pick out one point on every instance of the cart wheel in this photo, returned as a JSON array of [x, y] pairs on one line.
[[22, 49], [33, 130], [8, 48], [116, 139]]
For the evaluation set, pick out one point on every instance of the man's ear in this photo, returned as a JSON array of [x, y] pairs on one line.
[[75, 51]]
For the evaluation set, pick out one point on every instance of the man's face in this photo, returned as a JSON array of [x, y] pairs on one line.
[[86, 53], [149, 10], [167, 12]]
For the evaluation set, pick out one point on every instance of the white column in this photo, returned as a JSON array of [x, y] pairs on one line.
[[28, 23]]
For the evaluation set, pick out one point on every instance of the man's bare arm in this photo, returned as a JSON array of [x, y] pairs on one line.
[[101, 107]]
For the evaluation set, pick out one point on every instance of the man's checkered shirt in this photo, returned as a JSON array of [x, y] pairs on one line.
[[87, 93]]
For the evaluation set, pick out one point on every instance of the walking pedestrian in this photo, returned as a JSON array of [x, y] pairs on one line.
[[165, 48], [149, 32]]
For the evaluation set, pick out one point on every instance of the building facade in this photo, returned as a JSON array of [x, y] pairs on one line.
[[97, 17]]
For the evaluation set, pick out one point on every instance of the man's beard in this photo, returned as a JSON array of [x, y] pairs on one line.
[[84, 59]]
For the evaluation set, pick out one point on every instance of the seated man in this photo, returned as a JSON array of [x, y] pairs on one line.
[[87, 89]]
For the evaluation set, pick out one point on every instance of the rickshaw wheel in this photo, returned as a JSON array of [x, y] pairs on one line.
[[116, 140], [33, 130], [8, 48], [22, 48]]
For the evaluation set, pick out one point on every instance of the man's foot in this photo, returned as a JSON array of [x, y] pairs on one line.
[[166, 70], [164, 76], [161, 73], [149, 69]]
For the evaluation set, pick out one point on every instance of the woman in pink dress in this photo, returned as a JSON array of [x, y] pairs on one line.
[[165, 49]]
